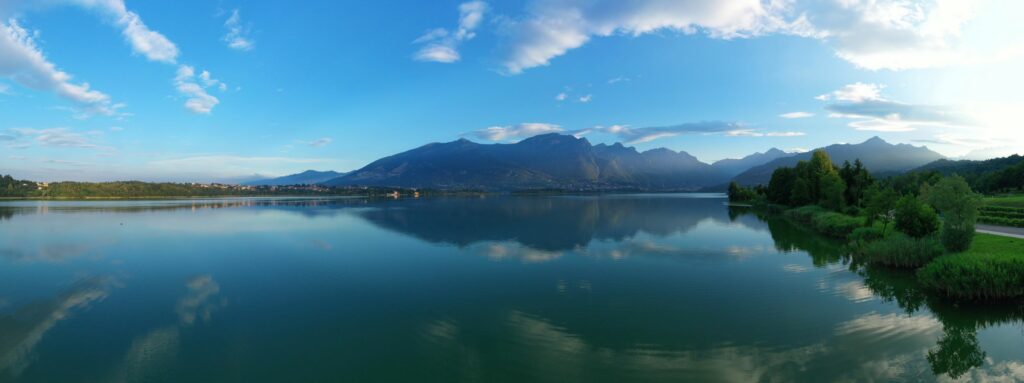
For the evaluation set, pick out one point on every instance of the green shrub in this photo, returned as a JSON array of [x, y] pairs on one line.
[[915, 218], [956, 239], [863, 235], [992, 268], [899, 250], [836, 225]]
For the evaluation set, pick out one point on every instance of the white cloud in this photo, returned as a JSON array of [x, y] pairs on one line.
[[440, 45], [795, 115], [22, 61], [236, 36], [891, 34], [561, 96], [199, 101], [875, 34], [147, 42], [5, 89], [552, 28], [514, 132], [856, 92], [586, 98]]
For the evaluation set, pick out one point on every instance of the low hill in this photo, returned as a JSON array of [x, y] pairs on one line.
[[308, 177]]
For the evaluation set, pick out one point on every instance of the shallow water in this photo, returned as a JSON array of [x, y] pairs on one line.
[[611, 288]]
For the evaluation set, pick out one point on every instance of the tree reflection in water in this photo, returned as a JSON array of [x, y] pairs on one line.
[[958, 351]]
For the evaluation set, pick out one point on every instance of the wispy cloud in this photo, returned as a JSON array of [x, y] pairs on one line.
[[319, 142], [236, 35], [514, 132], [617, 80], [586, 98], [53, 137], [441, 45], [561, 96], [625, 133], [631, 135], [870, 111], [795, 115], [758, 133]]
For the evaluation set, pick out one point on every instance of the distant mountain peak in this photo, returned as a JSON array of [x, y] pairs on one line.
[[305, 178], [875, 140]]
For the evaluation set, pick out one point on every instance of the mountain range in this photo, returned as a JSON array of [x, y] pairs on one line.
[[559, 161], [877, 156], [543, 161]]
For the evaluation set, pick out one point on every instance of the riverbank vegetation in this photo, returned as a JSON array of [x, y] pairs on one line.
[[920, 220], [13, 188]]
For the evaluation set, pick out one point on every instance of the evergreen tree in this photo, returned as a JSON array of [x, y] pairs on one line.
[[831, 188]]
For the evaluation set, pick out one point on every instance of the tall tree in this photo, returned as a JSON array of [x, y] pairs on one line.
[[959, 207]]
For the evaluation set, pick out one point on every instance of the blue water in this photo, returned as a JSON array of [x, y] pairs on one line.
[[477, 289]]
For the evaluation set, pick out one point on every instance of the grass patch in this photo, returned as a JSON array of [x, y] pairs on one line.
[[1013, 200], [901, 250], [992, 268]]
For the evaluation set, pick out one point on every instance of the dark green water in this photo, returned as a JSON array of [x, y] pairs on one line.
[[497, 289]]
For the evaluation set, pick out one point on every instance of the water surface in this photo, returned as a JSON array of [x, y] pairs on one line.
[[489, 289]]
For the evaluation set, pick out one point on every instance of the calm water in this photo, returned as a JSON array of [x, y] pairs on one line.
[[496, 289]]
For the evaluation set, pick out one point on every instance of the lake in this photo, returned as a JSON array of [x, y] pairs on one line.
[[673, 287]]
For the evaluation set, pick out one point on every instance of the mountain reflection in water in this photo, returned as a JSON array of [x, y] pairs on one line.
[[492, 288]]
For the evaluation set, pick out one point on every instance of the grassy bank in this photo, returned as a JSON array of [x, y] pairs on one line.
[[992, 268], [1013, 200], [829, 223]]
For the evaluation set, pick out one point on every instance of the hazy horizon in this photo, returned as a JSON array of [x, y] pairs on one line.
[[96, 90]]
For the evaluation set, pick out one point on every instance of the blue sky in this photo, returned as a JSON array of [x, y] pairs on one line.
[[219, 91]]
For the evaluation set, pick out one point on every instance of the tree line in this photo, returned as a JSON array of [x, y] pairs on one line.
[[911, 202]]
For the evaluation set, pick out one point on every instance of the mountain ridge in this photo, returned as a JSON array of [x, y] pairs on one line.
[[543, 161], [876, 154]]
